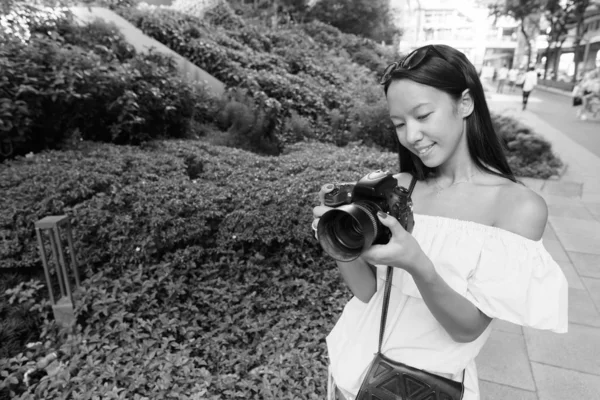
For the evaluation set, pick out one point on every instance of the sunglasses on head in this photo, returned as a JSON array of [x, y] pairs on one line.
[[412, 60]]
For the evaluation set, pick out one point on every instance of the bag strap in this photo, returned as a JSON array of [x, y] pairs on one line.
[[388, 282], [388, 289]]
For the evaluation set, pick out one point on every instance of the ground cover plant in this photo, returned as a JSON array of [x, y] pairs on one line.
[[201, 267]]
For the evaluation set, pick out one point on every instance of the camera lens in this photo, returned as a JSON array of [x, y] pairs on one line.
[[345, 232]]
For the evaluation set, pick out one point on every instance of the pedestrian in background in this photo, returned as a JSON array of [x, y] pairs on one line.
[[512, 78], [529, 82], [502, 76]]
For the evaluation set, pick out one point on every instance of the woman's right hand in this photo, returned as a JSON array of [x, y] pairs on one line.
[[321, 209]]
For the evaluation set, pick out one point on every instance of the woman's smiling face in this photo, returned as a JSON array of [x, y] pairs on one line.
[[428, 121]]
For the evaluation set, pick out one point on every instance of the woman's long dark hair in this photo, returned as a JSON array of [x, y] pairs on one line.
[[453, 75]]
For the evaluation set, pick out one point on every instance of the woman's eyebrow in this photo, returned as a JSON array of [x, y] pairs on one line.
[[419, 105]]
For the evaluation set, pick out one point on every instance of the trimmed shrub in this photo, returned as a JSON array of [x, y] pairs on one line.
[[529, 155], [87, 83], [203, 269]]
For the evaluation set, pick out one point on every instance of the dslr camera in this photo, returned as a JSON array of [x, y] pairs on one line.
[[352, 226]]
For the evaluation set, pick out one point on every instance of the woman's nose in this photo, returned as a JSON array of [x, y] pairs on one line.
[[413, 133]]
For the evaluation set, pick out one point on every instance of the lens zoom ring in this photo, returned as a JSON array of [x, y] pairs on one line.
[[364, 207]]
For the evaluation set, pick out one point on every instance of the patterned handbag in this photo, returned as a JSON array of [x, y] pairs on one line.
[[391, 380]]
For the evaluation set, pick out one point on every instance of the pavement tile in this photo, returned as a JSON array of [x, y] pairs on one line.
[[495, 391], [579, 242], [593, 286], [562, 384], [556, 250], [586, 264], [579, 349], [503, 360], [564, 188], [549, 233], [505, 326], [591, 197], [554, 199], [594, 209], [574, 211], [582, 309], [571, 274], [572, 226]]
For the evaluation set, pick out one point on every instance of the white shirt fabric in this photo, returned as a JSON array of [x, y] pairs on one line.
[[512, 75], [505, 275], [530, 81], [503, 73]]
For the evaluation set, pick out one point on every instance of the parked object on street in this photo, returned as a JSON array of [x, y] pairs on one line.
[[588, 91]]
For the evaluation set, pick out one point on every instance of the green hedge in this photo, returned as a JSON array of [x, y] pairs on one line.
[[528, 154], [67, 83], [203, 271], [302, 74]]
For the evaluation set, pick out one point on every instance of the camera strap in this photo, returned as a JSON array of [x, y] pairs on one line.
[[413, 182], [388, 287]]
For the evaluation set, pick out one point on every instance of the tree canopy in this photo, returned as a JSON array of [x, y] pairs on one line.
[[368, 18]]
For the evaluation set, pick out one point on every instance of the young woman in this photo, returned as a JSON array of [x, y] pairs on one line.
[[475, 252]]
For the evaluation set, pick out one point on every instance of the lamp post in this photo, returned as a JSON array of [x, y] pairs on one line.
[[52, 227]]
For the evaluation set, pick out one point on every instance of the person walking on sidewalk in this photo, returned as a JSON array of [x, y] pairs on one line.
[[530, 81], [502, 77], [475, 252]]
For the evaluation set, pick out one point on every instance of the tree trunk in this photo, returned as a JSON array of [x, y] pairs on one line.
[[579, 35], [557, 51], [526, 36], [547, 63]]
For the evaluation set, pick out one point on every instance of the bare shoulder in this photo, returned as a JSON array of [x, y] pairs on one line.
[[520, 210]]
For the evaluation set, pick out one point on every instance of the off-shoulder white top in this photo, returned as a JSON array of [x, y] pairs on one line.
[[505, 275]]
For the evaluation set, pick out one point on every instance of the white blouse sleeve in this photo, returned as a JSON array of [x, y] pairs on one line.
[[517, 280]]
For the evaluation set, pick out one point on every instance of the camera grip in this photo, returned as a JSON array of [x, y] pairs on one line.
[[326, 188]]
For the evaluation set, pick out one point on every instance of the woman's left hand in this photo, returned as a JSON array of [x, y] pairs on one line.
[[402, 251]]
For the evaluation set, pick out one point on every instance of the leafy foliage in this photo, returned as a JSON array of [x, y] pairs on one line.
[[528, 154], [68, 83], [286, 65], [187, 243], [367, 18]]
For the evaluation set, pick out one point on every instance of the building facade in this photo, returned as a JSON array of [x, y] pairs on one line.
[[464, 25], [561, 62]]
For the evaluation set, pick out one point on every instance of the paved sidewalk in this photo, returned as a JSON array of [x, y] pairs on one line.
[[528, 364]]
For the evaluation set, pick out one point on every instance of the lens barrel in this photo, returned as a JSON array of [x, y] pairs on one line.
[[346, 231]]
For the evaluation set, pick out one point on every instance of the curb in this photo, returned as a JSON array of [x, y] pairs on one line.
[[554, 90]]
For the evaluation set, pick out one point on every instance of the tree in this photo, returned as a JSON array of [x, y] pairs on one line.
[[367, 18], [580, 6], [273, 10], [557, 13], [526, 13]]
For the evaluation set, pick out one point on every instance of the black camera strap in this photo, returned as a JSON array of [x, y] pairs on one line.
[[388, 288], [388, 281], [413, 182]]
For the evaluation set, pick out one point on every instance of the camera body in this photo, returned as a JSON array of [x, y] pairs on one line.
[[352, 225]]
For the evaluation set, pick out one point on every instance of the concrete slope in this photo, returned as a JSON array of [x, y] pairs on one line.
[[143, 44]]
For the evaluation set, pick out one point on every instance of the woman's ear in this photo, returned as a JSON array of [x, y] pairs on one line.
[[466, 105]]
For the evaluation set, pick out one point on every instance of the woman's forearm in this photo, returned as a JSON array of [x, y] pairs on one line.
[[460, 318], [360, 278]]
